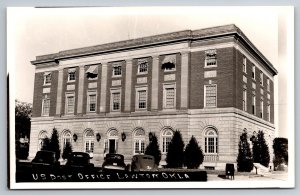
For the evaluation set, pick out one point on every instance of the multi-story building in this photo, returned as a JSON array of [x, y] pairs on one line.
[[211, 83]]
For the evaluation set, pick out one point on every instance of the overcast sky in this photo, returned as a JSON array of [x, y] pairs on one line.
[[33, 32]]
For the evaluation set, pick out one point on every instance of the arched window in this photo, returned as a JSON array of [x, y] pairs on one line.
[[167, 135], [41, 141], [89, 141], [66, 138], [111, 143], [211, 141], [139, 141]]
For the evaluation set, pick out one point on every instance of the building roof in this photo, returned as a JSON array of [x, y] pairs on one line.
[[179, 36]]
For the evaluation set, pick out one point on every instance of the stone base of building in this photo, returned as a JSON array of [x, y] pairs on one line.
[[228, 124]]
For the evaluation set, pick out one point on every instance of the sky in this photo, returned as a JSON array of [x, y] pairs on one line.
[[39, 31]]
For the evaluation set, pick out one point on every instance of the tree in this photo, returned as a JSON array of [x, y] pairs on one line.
[[67, 151], [175, 153], [22, 128], [153, 149], [261, 150], [244, 159], [280, 147], [54, 143], [193, 155]]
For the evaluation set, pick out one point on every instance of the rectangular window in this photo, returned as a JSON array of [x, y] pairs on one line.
[[47, 78], [142, 99], [142, 66], [71, 74], [269, 112], [244, 64], [116, 101], [261, 109], [210, 95], [166, 142], [253, 104], [253, 72], [70, 103], [117, 70], [46, 106], [211, 58], [268, 84], [170, 97], [92, 101], [245, 100], [139, 147], [261, 78]]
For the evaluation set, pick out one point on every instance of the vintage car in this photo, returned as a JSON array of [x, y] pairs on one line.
[[79, 161], [45, 161], [114, 162], [142, 162]]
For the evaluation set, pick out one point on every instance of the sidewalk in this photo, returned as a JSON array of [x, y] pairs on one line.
[[271, 176]]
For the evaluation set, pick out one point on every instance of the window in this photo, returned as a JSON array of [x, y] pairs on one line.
[[166, 139], [117, 70], [253, 104], [41, 141], [261, 108], [253, 72], [210, 95], [211, 58], [92, 101], [169, 63], [89, 141], [211, 141], [92, 72], [244, 64], [116, 100], [269, 112], [71, 74], [46, 105], [139, 141], [142, 66], [141, 98], [70, 103], [66, 138], [244, 100], [47, 78], [261, 78], [268, 84], [169, 96]]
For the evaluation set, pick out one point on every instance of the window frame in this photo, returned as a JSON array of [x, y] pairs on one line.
[[46, 98], [88, 107], [137, 90], [261, 108], [114, 91], [269, 112], [116, 65], [244, 64], [253, 76], [163, 62], [71, 71], [67, 95], [205, 98], [164, 137], [66, 134], [207, 141], [165, 87], [261, 78], [245, 100], [140, 139], [253, 105], [141, 62], [89, 141], [206, 58], [47, 81], [268, 84]]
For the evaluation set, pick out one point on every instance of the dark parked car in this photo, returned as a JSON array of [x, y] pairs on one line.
[[79, 161], [114, 162], [45, 161], [143, 162]]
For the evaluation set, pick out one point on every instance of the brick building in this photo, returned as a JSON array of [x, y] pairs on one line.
[[211, 83]]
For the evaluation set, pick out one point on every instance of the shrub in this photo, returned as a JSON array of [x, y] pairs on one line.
[[261, 150], [193, 155], [175, 151], [153, 149], [46, 144], [244, 159], [54, 144], [67, 151], [280, 147]]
